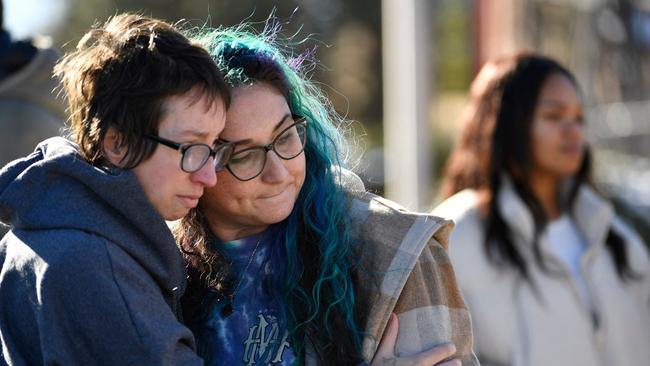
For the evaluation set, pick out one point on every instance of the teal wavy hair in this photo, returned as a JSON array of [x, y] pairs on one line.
[[316, 286]]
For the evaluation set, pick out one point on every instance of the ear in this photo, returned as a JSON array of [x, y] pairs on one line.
[[114, 151]]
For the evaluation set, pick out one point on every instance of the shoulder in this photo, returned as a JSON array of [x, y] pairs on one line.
[[387, 221], [380, 223], [61, 257], [348, 181], [462, 208], [458, 206], [62, 268], [467, 238]]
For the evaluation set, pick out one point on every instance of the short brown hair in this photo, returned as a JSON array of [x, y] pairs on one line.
[[120, 75]]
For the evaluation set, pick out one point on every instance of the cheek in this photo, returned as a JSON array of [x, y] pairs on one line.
[[543, 140], [161, 182], [155, 177], [299, 170], [226, 195], [539, 133]]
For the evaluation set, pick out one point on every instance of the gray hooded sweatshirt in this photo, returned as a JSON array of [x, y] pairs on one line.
[[90, 273]]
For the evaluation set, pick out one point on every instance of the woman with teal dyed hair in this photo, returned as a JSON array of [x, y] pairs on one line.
[[290, 261]]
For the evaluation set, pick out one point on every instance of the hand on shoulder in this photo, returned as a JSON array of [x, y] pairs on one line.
[[440, 355]]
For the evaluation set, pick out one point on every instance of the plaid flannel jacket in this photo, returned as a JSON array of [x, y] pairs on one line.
[[403, 267]]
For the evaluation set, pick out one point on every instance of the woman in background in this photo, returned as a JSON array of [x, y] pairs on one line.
[[550, 274], [290, 259]]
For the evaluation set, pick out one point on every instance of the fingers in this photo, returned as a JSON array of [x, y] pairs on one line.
[[387, 344], [435, 355], [454, 362]]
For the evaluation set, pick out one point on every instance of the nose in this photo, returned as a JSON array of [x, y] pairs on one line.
[[206, 176], [574, 127], [274, 171]]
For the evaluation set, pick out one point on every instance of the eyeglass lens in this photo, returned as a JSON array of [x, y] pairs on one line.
[[249, 163], [194, 157]]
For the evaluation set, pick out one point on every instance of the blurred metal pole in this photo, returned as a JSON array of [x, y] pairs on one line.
[[406, 42]]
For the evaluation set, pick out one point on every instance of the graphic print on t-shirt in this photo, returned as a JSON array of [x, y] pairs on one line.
[[253, 333], [266, 341]]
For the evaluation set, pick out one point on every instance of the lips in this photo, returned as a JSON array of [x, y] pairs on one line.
[[273, 195], [572, 148], [190, 201]]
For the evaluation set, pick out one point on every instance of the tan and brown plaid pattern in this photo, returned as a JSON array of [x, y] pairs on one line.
[[403, 267]]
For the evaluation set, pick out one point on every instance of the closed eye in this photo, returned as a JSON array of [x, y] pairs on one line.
[[242, 157]]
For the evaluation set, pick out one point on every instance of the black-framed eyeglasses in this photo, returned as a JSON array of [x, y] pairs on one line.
[[194, 156], [248, 163]]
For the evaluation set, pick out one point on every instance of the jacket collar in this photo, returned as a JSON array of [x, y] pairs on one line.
[[592, 213]]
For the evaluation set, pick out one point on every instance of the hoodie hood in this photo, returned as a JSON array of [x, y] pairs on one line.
[[55, 188]]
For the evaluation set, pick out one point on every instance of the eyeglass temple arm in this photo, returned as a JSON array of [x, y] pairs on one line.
[[168, 143]]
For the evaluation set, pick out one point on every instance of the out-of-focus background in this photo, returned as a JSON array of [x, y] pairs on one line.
[[400, 69]]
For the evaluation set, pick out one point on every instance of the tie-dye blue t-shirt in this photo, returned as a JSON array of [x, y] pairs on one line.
[[254, 332]]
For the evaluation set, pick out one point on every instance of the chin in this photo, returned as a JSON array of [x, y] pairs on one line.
[[569, 172], [173, 215], [573, 169], [278, 215]]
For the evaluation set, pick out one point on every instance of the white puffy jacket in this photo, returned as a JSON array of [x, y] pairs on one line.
[[513, 326]]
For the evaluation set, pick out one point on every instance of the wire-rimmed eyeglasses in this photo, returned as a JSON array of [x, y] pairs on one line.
[[248, 163]]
